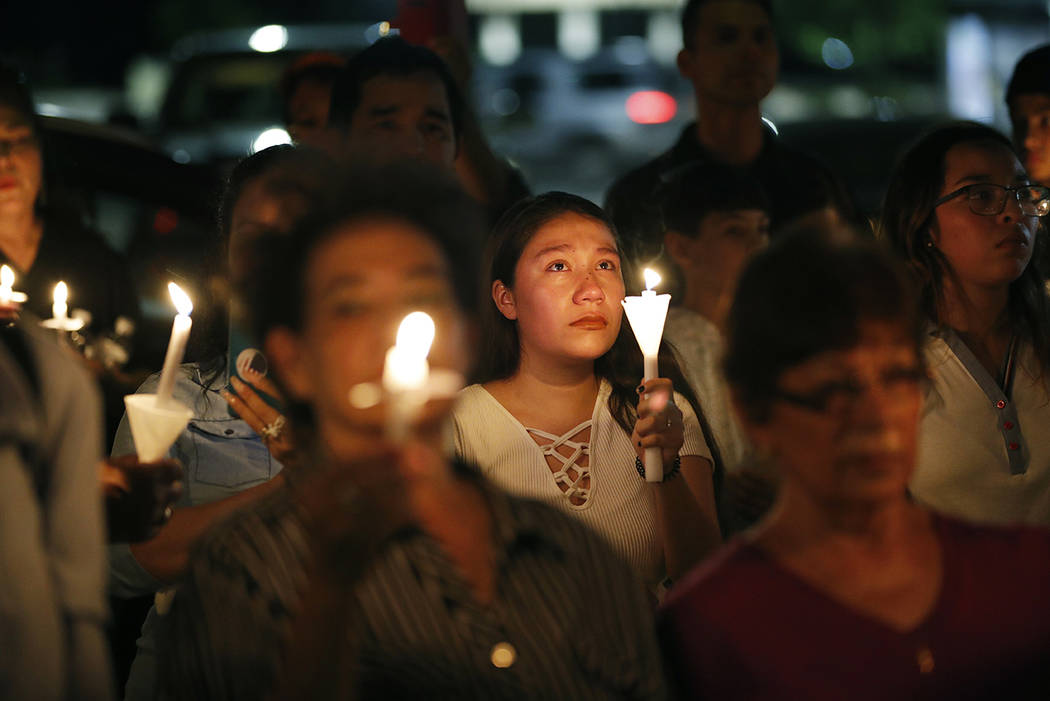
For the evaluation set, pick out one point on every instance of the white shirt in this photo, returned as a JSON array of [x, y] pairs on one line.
[[699, 348], [984, 455], [619, 505]]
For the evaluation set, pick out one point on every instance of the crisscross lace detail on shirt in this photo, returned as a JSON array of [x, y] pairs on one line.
[[568, 460]]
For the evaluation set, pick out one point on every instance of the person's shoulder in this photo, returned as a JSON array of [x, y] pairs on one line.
[[1001, 543], [637, 184], [471, 395], [736, 567]]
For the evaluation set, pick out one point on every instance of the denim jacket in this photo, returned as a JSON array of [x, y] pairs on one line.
[[221, 456]]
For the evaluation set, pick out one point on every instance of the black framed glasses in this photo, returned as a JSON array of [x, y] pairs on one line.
[[838, 397], [989, 199]]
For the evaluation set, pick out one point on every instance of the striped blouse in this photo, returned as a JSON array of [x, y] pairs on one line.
[[569, 620]]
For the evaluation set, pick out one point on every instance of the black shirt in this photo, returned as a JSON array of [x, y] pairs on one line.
[[789, 178], [97, 276]]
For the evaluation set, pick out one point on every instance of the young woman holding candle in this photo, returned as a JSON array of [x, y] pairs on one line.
[[392, 571], [559, 414], [229, 460], [964, 215]]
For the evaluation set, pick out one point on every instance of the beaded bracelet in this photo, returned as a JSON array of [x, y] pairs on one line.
[[676, 467]]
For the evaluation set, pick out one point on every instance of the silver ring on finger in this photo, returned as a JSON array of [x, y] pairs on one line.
[[272, 430]]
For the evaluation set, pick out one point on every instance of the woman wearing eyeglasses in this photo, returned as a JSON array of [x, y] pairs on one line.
[[962, 212], [848, 589]]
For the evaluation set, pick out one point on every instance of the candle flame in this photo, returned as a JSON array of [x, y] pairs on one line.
[[61, 293], [652, 278], [416, 333], [180, 299], [7, 276]]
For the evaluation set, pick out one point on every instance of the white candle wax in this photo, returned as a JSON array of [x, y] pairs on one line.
[[7, 279], [647, 314], [7, 293], [406, 374], [180, 334], [59, 309]]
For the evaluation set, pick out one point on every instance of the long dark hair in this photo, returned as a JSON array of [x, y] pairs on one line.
[[293, 175], [905, 225], [621, 365]]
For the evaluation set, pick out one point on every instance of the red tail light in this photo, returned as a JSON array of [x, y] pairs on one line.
[[651, 107]]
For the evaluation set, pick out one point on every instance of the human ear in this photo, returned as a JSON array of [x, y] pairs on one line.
[[684, 61], [677, 247], [285, 354], [504, 299]]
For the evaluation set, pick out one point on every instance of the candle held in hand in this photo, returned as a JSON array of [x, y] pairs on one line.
[[59, 309], [180, 333], [647, 315], [60, 319], [7, 292], [406, 372]]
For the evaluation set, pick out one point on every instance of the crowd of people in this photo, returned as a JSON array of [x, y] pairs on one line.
[[855, 496]]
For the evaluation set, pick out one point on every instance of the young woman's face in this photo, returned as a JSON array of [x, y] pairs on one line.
[[856, 441], [21, 167], [567, 291], [258, 212], [360, 283], [983, 250]]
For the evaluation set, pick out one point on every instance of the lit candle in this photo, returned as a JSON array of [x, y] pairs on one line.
[[59, 309], [180, 333], [7, 282], [647, 315], [60, 320], [406, 373]]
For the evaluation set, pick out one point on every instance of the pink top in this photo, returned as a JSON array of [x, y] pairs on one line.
[[740, 626]]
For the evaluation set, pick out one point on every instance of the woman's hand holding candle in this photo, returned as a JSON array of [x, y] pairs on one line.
[[659, 423]]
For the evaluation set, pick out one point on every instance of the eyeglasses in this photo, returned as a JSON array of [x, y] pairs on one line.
[[838, 397], [989, 199], [22, 144]]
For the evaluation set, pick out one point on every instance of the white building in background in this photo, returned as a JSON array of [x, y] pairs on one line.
[[579, 29]]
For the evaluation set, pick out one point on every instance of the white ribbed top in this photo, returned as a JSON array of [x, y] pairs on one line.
[[619, 504]]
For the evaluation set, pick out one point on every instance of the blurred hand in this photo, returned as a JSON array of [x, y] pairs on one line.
[[659, 421], [350, 509], [269, 423], [139, 496], [9, 313]]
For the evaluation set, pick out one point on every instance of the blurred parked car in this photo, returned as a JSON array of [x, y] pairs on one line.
[[223, 103], [158, 213], [578, 125]]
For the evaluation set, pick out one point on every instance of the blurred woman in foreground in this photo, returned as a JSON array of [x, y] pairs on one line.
[[383, 568], [848, 589]]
